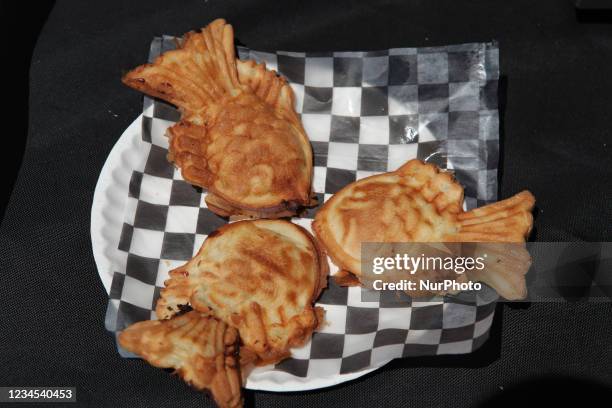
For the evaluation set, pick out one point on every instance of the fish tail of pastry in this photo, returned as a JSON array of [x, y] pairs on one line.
[[194, 76], [505, 266], [508, 220], [500, 229]]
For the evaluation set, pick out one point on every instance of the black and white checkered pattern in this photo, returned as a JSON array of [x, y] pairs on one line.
[[365, 113]]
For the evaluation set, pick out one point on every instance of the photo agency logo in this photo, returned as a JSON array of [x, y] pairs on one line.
[[427, 266], [528, 272]]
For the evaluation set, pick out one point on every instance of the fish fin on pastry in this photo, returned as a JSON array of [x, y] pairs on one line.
[[508, 220], [269, 86]]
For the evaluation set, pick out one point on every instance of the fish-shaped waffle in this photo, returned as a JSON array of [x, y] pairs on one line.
[[201, 349], [239, 136], [420, 203], [261, 277]]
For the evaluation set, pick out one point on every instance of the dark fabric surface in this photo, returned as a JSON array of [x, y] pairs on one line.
[[556, 142]]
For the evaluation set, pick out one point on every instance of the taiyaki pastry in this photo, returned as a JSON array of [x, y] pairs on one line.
[[239, 136], [259, 276], [201, 349], [420, 203]]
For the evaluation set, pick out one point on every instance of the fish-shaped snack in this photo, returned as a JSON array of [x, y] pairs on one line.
[[419, 203], [261, 277], [239, 136], [201, 349]]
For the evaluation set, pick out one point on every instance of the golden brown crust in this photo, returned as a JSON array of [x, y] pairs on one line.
[[508, 220], [393, 196], [268, 86], [201, 350], [261, 277], [345, 278], [334, 250], [239, 135], [416, 203], [437, 187], [223, 208]]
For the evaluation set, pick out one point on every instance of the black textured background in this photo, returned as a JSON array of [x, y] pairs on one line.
[[556, 94]]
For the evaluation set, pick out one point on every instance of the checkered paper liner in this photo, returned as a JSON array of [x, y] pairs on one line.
[[365, 113]]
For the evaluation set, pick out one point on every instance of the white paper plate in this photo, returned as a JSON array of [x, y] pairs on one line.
[[107, 213]]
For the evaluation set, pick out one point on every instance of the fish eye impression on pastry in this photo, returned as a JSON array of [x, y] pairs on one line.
[[420, 203], [239, 136]]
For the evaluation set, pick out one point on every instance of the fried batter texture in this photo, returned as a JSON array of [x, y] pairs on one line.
[[420, 203], [239, 136], [201, 349], [261, 277]]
